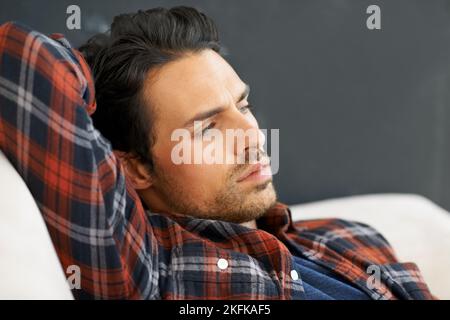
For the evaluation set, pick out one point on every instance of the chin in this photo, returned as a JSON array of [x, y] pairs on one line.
[[262, 200]]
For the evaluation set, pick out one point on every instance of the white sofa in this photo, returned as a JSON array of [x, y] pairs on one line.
[[29, 268]]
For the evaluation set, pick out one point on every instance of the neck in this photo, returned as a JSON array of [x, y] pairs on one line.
[[155, 205]]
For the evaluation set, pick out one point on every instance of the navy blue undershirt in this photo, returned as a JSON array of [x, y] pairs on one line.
[[323, 284]]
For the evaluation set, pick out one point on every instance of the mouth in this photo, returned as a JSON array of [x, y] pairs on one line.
[[256, 173]]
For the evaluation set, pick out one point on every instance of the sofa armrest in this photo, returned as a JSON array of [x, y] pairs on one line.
[[29, 266]]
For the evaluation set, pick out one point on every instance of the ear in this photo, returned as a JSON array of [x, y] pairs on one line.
[[136, 172]]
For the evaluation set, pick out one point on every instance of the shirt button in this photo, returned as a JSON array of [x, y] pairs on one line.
[[222, 264], [294, 275]]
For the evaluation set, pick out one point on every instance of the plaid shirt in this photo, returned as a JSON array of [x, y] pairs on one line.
[[97, 221]]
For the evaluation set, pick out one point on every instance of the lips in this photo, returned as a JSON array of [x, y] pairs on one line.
[[253, 170]]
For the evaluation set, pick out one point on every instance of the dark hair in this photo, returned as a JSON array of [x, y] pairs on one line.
[[120, 60]]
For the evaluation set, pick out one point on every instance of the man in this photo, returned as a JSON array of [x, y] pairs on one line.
[[211, 231]]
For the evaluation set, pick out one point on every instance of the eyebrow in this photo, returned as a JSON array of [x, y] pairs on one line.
[[209, 113]]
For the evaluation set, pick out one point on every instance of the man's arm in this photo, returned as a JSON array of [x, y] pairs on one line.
[[96, 220]]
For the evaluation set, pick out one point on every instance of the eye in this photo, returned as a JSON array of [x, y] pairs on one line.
[[210, 126], [246, 108]]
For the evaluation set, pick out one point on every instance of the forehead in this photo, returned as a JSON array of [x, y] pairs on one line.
[[194, 83]]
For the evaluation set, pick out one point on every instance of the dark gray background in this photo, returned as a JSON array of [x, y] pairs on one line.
[[359, 111]]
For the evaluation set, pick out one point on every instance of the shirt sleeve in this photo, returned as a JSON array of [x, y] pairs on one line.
[[94, 217]]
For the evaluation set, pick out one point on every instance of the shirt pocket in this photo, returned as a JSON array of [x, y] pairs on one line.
[[200, 271]]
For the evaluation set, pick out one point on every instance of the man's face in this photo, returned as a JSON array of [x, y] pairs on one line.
[[188, 89]]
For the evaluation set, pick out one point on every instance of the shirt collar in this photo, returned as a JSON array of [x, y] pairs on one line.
[[276, 220]]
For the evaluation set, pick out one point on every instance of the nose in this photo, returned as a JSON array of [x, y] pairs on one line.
[[248, 139]]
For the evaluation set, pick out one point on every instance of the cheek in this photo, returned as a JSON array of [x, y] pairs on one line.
[[207, 177], [199, 179]]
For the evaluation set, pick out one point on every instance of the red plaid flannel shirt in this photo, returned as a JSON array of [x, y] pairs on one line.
[[96, 220]]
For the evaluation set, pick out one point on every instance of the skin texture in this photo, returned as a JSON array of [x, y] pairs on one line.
[[175, 93]]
